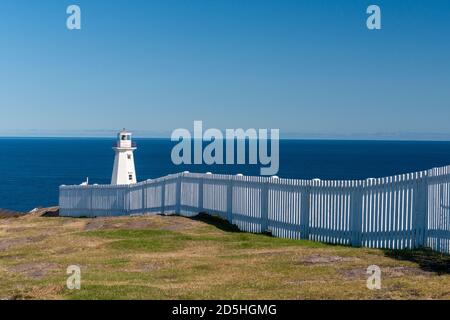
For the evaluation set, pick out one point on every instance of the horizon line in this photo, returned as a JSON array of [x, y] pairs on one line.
[[284, 135], [311, 137]]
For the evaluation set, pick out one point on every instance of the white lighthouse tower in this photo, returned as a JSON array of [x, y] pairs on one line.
[[124, 171]]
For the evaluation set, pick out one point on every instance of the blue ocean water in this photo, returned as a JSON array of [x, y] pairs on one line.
[[33, 168]]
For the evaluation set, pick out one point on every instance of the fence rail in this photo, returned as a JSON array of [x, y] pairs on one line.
[[398, 212]]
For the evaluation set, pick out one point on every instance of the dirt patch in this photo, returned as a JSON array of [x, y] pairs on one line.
[[175, 226], [95, 224], [401, 271], [147, 267], [270, 253], [7, 221], [39, 238], [66, 251], [177, 223], [140, 223], [18, 229], [112, 224], [354, 274], [137, 224], [34, 270], [318, 259], [6, 244], [389, 272]]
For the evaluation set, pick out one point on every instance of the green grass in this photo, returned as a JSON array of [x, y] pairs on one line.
[[116, 292], [259, 241], [161, 240], [144, 240]]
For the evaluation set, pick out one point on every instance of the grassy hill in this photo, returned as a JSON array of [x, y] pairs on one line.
[[205, 258]]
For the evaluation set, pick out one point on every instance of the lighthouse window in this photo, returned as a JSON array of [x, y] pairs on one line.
[[124, 137], [130, 177], [129, 156]]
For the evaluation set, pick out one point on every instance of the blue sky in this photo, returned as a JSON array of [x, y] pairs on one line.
[[309, 68]]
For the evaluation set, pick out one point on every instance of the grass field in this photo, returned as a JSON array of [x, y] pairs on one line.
[[180, 258]]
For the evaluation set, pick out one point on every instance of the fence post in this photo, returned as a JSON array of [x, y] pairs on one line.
[[178, 194], [144, 205], [425, 210], [129, 199], [304, 214], [420, 212], [230, 200], [356, 214], [163, 196], [91, 199], [200, 195], [265, 205]]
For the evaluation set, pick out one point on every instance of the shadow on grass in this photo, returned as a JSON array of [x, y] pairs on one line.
[[222, 224], [217, 222], [427, 259], [239, 239]]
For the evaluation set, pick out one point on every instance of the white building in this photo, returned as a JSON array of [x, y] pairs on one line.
[[124, 171]]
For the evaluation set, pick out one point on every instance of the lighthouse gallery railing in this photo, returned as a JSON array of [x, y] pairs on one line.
[[404, 211]]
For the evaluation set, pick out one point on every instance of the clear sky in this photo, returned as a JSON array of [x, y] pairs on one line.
[[305, 67]]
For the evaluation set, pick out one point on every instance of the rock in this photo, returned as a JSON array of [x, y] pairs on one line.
[[44, 212], [4, 213]]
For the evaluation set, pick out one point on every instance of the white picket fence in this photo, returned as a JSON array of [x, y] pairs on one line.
[[404, 211]]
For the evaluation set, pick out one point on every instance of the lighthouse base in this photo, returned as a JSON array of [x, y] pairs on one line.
[[124, 171]]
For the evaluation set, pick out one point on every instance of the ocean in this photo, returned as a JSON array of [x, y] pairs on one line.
[[33, 168]]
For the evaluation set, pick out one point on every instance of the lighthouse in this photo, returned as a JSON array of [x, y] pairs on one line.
[[124, 171]]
